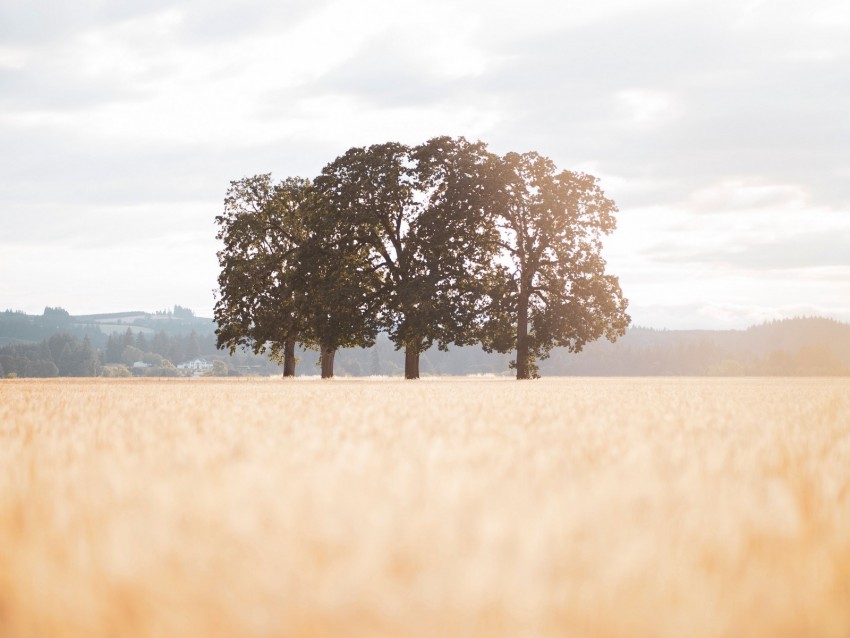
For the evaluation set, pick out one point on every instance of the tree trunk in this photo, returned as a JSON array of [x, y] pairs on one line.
[[289, 358], [411, 362], [327, 358], [522, 371]]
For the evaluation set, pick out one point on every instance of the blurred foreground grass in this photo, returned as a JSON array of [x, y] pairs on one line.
[[450, 507]]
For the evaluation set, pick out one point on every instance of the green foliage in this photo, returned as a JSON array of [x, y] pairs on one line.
[[415, 221], [57, 314], [262, 228], [436, 244], [336, 298], [130, 355], [550, 288], [75, 354], [219, 369], [116, 371], [60, 355], [16, 326], [42, 368], [163, 368], [192, 349]]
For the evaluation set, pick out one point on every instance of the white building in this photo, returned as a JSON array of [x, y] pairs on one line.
[[195, 364]]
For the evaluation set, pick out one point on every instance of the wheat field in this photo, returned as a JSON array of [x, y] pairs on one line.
[[443, 507]]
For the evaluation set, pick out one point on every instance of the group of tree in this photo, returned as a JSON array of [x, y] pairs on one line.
[[129, 347], [61, 355], [127, 354], [792, 347], [438, 244], [17, 326]]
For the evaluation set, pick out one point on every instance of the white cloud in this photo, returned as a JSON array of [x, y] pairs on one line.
[[741, 195], [122, 115], [647, 107], [12, 58]]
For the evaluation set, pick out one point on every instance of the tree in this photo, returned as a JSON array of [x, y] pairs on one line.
[[42, 369], [219, 369], [336, 297], [130, 355], [159, 344], [550, 287], [9, 362], [167, 369], [116, 371], [57, 313], [63, 348], [142, 342], [56, 318], [375, 361], [87, 360], [176, 351], [417, 217], [114, 347], [262, 228], [193, 346]]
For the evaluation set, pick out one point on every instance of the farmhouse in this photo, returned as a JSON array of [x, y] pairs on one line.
[[195, 364]]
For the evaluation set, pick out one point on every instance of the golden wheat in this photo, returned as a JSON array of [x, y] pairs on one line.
[[563, 507]]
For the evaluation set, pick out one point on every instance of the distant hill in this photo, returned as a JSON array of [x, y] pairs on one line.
[[801, 346], [136, 343], [17, 327]]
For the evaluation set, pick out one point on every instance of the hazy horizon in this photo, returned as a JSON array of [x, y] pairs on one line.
[[209, 315], [718, 128]]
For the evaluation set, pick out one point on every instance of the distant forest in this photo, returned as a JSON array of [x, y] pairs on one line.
[[117, 344], [155, 344]]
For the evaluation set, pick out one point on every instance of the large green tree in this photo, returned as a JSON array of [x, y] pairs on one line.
[[286, 278], [418, 219], [262, 228], [550, 287], [337, 296]]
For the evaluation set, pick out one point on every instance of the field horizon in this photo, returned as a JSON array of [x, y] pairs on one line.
[[473, 506]]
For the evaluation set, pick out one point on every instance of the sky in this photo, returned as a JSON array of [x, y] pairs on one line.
[[720, 128]]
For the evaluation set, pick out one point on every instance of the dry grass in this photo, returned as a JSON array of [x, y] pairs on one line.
[[436, 508]]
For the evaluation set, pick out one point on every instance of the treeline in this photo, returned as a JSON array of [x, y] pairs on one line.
[[441, 244], [19, 327], [132, 353], [804, 346], [61, 355], [792, 347], [702, 357], [130, 347]]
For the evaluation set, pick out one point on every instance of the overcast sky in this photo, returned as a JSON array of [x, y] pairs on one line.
[[721, 129]]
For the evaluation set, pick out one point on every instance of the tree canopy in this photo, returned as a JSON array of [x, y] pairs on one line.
[[262, 228], [442, 243], [552, 288], [417, 217]]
